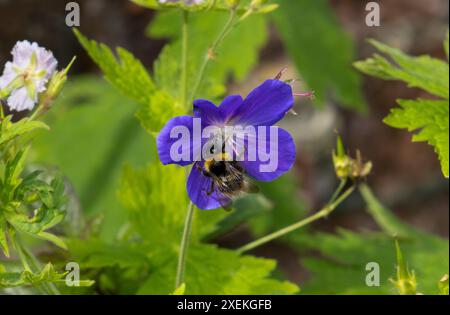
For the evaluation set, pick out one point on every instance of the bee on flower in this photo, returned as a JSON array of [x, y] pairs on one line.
[[239, 144]]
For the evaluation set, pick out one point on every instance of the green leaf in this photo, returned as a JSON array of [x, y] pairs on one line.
[[428, 116], [95, 253], [208, 5], [155, 200], [384, 217], [321, 50], [210, 270], [431, 119], [94, 133], [158, 111], [124, 72], [3, 236], [422, 72], [11, 179], [128, 75], [342, 270], [233, 59], [10, 130], [47, 274]]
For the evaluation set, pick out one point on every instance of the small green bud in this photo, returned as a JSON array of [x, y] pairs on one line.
[[347, 167], [232, 3], [405, 282], [443, 285], [57, 82], [342, 162]]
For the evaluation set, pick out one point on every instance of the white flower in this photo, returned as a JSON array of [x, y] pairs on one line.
[[27, 75]]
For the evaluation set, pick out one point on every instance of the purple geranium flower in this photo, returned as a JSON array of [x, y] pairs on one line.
[[207, 185]]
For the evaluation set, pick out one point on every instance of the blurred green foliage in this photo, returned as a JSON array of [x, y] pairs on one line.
[[94, 133], [342, 270], [321, 49]]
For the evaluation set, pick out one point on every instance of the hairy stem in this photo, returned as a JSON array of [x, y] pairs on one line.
[[184, 57], [184, 246], [318, 215], [212, 51]]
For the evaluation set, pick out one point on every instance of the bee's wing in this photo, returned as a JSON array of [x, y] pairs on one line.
[[226, 202], [250, 187]]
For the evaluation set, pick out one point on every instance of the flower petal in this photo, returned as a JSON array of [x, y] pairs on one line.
[[208, 112], [20, 100], [265, 105], [280, 148], [230, 106], [8, 75], [200, 190], [165, 141]]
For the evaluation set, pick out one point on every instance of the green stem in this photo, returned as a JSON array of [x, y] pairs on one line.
[[338, 190], [320, 214], [184, 57], [212, 52], [184, 246]]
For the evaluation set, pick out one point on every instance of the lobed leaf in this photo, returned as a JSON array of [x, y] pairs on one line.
[[423, 72], [10, 130], [124, 72], [210, 270], [430, 118]]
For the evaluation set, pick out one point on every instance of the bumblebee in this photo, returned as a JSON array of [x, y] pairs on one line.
[[228, 177]]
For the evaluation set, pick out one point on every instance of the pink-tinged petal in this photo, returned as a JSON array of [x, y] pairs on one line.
[[265, 105], [280, 148], [201, 192]]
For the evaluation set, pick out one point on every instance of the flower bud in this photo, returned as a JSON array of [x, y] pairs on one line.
[[341, 161], [405, 282], [232, 3], [347, 167], [57, 82]]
